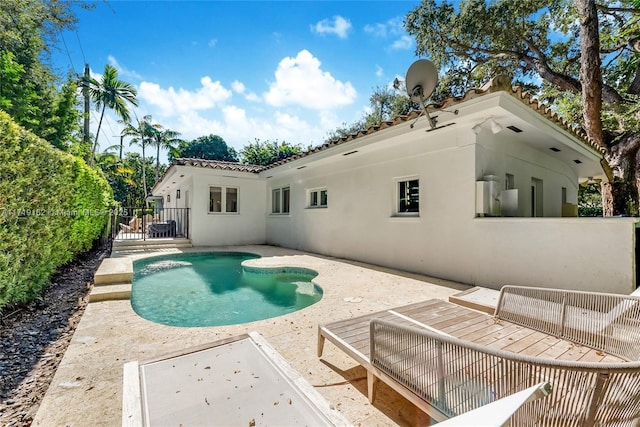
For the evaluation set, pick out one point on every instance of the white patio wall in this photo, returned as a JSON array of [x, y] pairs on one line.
[[588, 254]]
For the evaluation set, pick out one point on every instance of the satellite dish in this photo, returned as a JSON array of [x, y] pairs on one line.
[[421, 80]]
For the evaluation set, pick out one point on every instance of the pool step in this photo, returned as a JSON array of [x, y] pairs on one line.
[[112, 280], [114, 271], [110, 292]]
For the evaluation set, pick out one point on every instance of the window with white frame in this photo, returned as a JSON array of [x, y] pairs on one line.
[[408, 197], [318, 198], [280, 199], [223, 199]]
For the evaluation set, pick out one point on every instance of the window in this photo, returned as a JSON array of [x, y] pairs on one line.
[[409, 197], [285, 199], [280, 200], [323, 197], [318, 198], [232, 200], [215, 199], [223, 200], [276, 201], [168, 198], [509, 182], [564, 195]]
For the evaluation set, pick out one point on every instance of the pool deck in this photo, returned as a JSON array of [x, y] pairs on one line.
[[87, 387]]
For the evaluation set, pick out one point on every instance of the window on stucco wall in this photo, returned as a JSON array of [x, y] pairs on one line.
[[408, 203], [318, 198], [223, 200], [280, 199]]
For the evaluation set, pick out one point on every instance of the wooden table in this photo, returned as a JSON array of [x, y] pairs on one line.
[[462, 323]]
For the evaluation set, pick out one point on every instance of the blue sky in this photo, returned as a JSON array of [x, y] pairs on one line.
[[271, 70]]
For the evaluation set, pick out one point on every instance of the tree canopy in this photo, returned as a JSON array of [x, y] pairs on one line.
[[385, 103], [29, 90], [266, 152], [211, 147]]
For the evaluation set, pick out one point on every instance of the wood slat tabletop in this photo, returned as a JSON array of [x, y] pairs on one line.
[[467, 324]]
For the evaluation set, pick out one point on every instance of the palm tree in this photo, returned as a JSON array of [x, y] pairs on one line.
[[110, 92], [164, 139], [142, 135], [118, 174]]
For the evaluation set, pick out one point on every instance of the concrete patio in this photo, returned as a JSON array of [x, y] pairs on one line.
[[87, 387]]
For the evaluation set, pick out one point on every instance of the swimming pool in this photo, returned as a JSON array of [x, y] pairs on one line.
[[213, 289]]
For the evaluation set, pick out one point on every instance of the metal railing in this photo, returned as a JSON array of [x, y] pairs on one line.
[[137, 223]]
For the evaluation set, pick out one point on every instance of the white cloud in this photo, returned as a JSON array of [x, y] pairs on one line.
[[378, 30], [240, 88], [338, 26], [213, 42], [171, 101], [403, 43], [122, 71], [237, 86], [252, 97], [301, 81], [379, 71], [393, 27]]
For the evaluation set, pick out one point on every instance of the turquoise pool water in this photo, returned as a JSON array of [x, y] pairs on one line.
[[212, 289]]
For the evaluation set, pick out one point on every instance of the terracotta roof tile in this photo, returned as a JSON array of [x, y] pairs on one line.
[[218, 164]]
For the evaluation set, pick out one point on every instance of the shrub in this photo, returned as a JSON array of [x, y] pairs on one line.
[[52, 206]]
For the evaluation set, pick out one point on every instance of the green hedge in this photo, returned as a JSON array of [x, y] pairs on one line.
[[52, 206]]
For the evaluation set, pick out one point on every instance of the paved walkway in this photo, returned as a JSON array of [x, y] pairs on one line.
[[87, 388]]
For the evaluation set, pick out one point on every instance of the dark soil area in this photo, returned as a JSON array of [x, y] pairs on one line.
[[34, 337]]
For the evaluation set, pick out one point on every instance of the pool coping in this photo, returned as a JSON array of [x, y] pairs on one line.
[[87, 387]]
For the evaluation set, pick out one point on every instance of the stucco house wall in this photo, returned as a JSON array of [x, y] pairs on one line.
[[360, 221], [247, 226], [447, 238]]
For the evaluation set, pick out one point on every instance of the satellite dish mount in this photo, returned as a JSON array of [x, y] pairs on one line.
[[421, 80]]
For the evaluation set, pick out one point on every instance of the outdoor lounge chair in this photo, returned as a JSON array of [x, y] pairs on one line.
[[134, 225], [449, 360]]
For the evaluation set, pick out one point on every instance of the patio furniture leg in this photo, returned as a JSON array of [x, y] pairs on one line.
[[596, 399], [372, 381], [320, 343]]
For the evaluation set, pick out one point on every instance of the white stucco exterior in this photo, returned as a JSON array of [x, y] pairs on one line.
[[246, 226], [445, 237]]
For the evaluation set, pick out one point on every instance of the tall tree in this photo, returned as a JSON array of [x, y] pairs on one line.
[[586, 64], [266, 152], [142, 134], [29, 90], [110, 92], [163, 139], [211, 147]]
